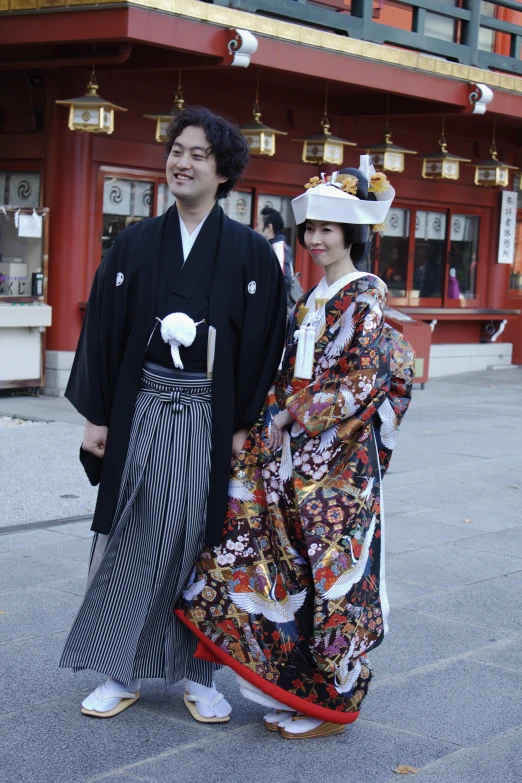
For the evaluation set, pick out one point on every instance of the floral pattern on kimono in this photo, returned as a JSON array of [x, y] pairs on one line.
[[293, 595]]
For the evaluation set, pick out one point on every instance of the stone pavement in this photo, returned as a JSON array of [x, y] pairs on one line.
[[447, 693]]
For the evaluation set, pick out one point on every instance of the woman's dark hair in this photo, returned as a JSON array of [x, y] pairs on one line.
[[225, 142], [357, 235], [275, 219]]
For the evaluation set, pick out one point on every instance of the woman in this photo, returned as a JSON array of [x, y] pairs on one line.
[[295, 595]]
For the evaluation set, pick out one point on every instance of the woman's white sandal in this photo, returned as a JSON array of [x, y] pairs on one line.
[[190, 704]]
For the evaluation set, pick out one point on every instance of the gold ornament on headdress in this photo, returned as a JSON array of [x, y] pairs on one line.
[[379, 183], [314, 182], [347, 183], [379, 228]]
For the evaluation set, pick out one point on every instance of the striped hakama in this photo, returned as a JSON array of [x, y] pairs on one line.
[[125, 628]]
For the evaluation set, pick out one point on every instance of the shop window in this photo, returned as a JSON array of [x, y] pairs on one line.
[[125, 201], [393, 251], [20, 188], [238, 206], [428, 263], [165, 198], [515, 278], [463, 257]]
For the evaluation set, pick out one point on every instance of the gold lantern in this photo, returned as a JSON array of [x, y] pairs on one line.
[[387, 156], [324, 147], [492, 173], [163, 119], [260, 137], [90, 112], [442, 164]]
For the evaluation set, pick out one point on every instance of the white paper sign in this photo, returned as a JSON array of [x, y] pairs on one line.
[[30, 226], [508, 225]]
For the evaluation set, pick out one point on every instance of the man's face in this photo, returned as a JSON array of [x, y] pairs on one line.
[[191, 169]]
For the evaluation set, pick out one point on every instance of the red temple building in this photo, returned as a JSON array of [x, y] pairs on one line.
[[450, 251]]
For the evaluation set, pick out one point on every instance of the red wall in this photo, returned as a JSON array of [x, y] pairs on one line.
[[71, 162]]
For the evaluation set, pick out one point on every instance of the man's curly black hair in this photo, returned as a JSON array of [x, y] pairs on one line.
[[225, 142]]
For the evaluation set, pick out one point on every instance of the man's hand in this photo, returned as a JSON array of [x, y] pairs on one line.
[[94, 439], [238, 441], [279, 422]]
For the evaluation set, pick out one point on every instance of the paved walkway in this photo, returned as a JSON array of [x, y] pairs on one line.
[[446, 698]]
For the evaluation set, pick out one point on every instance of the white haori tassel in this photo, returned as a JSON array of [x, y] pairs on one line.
[[287, 466], [304, 359], [178, 329]]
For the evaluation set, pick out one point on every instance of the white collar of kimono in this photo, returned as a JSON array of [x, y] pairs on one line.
[[325, 291], [187, 240]]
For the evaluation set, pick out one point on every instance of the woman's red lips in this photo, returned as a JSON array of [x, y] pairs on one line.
[[316, 251]]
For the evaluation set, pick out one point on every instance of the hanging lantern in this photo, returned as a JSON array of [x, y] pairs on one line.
[[260, 137], [163, 119], [90, 112], [324, 147], [442, 164], [492, 173], [387, 156]]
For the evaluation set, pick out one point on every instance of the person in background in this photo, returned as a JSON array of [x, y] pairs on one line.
[[271, 225]]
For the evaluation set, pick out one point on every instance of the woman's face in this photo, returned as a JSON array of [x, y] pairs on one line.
[[325, 242]]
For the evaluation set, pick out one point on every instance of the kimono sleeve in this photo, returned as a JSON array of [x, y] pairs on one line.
[[86, 389], [356, 383], [390, 414], [262, 337]]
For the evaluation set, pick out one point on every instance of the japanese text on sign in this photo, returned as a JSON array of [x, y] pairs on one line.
[[508, 224]]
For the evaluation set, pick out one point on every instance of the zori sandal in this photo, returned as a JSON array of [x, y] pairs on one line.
[[324, 729], [126, 699], [190, 700]]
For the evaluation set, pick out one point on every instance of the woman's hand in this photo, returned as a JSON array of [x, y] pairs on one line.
[[279, 422], [94, 439], [238, 441]]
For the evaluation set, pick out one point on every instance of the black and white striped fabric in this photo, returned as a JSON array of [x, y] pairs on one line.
[[125, 628]]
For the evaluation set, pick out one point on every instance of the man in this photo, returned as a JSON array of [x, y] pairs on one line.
[[271, 225], [182, 337]]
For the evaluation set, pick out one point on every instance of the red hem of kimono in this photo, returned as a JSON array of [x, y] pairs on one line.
[[207, 650]]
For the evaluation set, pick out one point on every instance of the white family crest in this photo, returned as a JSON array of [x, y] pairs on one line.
[[119, 278], [252, 287]]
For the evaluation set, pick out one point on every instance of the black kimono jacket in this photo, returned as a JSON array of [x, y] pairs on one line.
[[248, 309]]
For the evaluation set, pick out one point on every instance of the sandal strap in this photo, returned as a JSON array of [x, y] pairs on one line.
[[215, 701], [104, 696]]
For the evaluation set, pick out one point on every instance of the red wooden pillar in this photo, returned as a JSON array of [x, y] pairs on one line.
[[67, 185]]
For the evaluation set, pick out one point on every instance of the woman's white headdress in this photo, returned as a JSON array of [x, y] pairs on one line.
[[334, 199]]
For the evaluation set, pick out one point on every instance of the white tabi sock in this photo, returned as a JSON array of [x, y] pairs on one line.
[[252, 693], [220, 710], [302, 725], [109, 695]]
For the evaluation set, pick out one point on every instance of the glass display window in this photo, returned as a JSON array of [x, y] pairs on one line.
[[23, 254], [429, 256], [392, 264], [238, 206], [463, 257], [125, 202]]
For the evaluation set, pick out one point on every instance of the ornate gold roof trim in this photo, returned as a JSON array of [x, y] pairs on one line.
[[287, 31]]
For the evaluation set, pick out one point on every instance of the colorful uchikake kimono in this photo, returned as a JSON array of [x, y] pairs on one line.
[[295, 596]]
